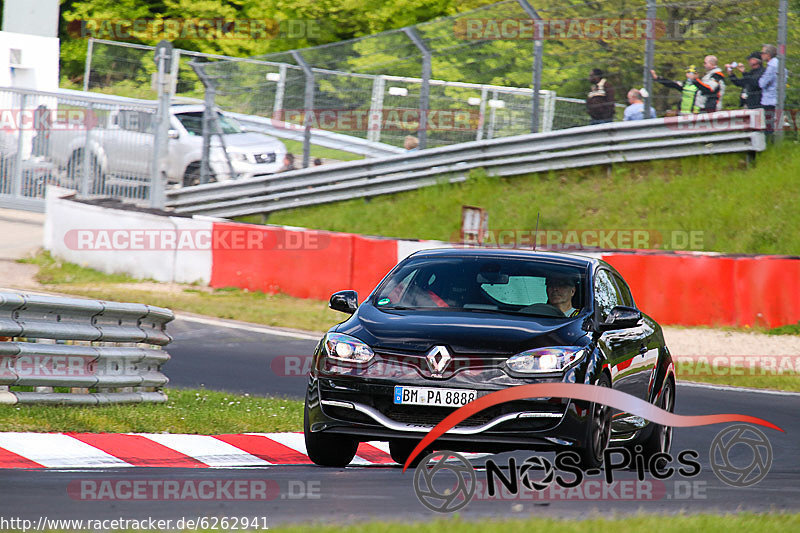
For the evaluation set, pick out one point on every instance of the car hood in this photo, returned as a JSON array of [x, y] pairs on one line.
[[463, 332], [252, 142]]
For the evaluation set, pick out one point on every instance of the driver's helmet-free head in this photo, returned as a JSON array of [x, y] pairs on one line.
[[561, 280]]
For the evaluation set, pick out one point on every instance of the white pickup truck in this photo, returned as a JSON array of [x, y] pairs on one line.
[[121, 149]]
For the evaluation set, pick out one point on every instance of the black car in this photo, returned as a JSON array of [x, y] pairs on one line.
[[447, 326]]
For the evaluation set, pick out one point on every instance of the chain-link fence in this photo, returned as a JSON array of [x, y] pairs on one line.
[[93, 146], [470, 76]]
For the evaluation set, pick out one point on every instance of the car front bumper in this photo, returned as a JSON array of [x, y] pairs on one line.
[[364, 409]]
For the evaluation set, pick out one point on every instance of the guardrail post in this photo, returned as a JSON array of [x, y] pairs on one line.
[[649, 51], [308, 104], [87, 69], [783, 13], [424, 94], [376, 109], [277, 106], [536, 75]]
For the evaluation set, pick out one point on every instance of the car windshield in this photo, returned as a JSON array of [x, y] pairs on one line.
[[193, 122], [485, 284]]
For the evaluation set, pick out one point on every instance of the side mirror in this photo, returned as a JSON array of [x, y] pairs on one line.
[[620, 317], [173, 134], [344, 301]]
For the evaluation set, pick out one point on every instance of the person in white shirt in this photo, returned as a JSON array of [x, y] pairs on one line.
[[635, 111]]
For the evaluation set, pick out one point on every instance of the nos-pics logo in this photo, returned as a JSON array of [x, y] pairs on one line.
[[445, 481]]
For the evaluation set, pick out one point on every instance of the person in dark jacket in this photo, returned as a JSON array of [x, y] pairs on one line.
[[600, 101], [751, 92], [688, 90]]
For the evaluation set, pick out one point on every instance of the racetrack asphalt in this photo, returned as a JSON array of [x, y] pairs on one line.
[[239, 360]]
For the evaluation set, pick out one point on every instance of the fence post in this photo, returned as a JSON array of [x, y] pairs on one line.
[[308, 104], [536, 81], [482, 114], [277, 106], [87, 68], [492, 117], [175, 73], [208, 117], [163, 57], [16, 183], [424, 95], [376, 109], [649, 51], [783, 14], [84, 188]]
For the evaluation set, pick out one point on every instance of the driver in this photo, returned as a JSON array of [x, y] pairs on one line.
[[560, 290]]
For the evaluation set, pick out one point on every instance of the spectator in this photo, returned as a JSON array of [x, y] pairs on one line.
[[411, 143], [317, 162], [769, 84], [635, 111], [288, 163], [600, 101], [751, 92], [687, 88], [711, 86]]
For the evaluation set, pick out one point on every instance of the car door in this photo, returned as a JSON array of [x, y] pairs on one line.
[[646, 344], [621, 349], [133, 144]]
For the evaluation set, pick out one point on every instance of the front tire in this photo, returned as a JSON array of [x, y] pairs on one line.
[[192, 175], [660, 439], [328, 450], [400, 449], [598, 433]]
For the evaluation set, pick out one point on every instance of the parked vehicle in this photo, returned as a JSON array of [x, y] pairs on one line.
[[120, 149], [446, 327]]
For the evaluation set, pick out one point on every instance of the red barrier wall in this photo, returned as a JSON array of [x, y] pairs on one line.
[[702, 290], [372, 259], [301, 263], [682, 288]]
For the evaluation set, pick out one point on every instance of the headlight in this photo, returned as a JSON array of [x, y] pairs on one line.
[[347, 348], [553, 359], [238, 156]]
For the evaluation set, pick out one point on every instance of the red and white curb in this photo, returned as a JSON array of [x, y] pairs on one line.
[[113, 450]]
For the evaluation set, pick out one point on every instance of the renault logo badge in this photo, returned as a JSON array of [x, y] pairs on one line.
[[438, 359]]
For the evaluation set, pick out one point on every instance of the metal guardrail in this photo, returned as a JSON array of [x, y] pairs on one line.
[[715, 133], [103, 352], [328, 139]]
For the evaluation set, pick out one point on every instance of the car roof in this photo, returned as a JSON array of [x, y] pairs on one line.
[[554, 257]]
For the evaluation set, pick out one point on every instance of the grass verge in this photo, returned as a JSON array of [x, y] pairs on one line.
[[296, 147], [187, 411], [230, 303], [740, 376], [700, 523], [736, 208]]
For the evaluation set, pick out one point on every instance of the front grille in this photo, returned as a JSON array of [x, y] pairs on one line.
[[430, 416]]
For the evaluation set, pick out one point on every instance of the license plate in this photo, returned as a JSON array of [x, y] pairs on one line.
[[433, 396]]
